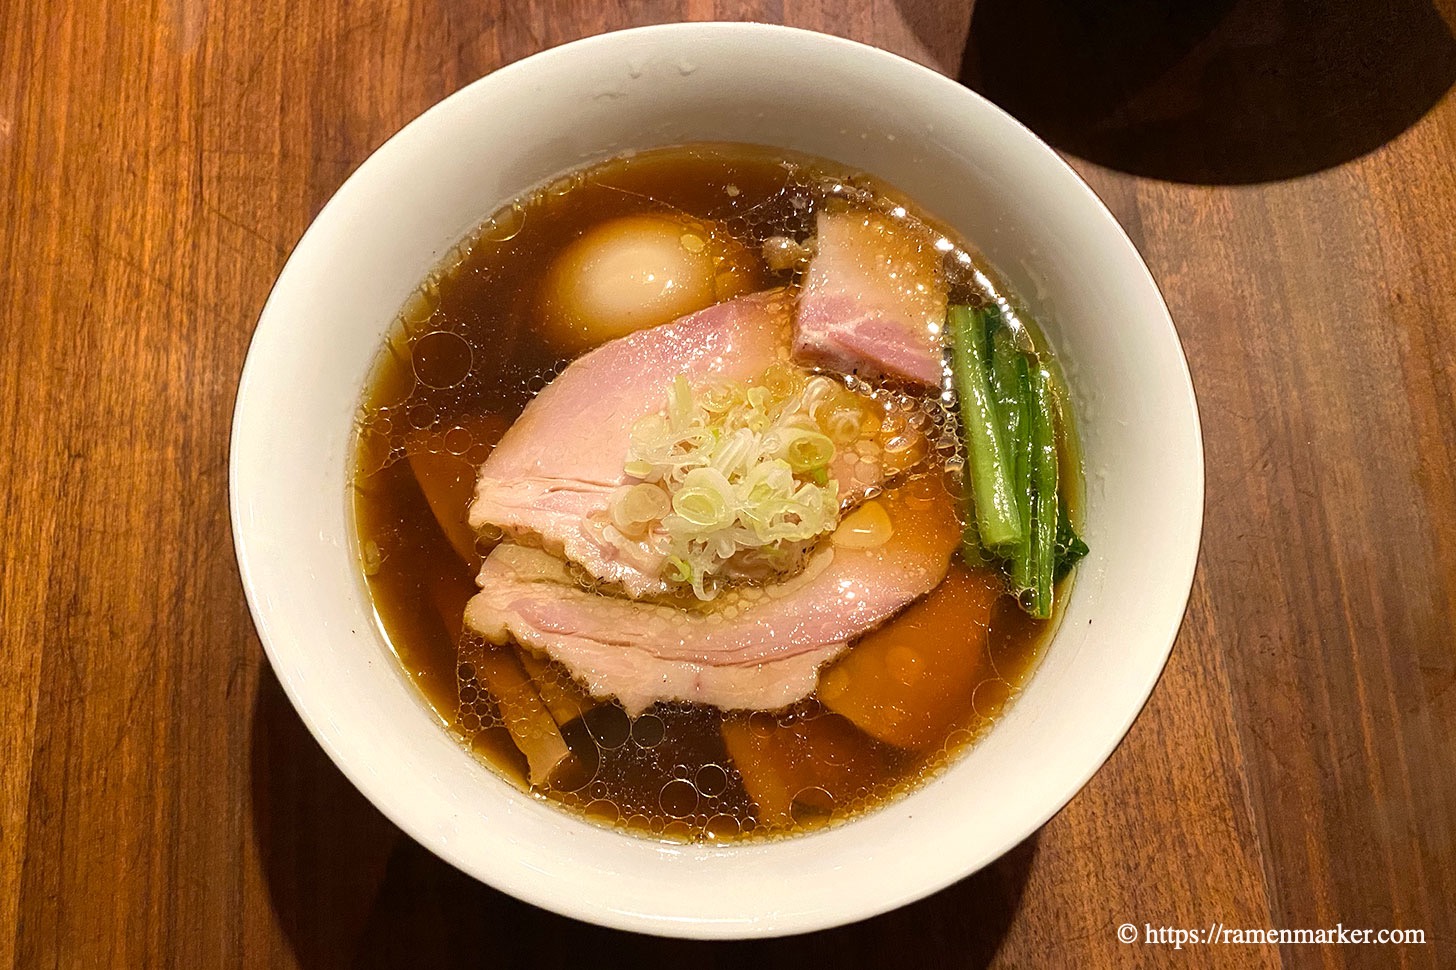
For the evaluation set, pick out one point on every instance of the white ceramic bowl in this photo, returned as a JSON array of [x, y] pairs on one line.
[[963, 160]]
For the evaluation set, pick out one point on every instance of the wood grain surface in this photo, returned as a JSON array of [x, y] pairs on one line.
[[1290, 177]]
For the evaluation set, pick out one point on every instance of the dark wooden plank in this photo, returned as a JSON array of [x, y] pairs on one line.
[[1311, 322]]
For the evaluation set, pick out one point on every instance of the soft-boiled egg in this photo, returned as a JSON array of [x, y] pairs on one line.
[[639, 271]]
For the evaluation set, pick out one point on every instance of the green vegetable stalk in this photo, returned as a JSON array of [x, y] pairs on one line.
[[1044, 499], [989, 466], [1009, 416], [1011, 379]]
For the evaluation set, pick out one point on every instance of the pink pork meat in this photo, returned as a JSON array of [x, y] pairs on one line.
[[874, 299], [751, 648], [550, 480]]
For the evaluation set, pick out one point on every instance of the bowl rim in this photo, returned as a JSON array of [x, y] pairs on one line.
[[592, 911]]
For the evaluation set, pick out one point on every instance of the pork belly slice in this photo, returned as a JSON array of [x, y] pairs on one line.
[[551, 478], [549, 482], [874, 299], [750, 649]]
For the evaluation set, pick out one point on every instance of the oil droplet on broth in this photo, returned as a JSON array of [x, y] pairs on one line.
[[711, 780], [421, 416], [648, 730], [609, 726], [867, 527], [441, 359], [721, 828], [604, 810], [811, 803], [458, 440], [679, 831], [990, 697], [678, 798]]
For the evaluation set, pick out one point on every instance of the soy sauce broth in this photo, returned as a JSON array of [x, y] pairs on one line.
[[463, 360]]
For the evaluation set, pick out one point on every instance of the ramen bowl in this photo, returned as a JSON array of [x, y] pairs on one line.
[[963, 160]]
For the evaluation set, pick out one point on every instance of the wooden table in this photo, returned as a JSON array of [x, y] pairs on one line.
[[161, 804]]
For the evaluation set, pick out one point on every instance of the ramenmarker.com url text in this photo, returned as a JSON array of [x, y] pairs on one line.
[[1216, 934]]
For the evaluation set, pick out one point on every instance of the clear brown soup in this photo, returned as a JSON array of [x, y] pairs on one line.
[[463, 360]]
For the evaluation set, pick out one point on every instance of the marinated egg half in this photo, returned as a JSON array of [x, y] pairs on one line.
[[639, 271]]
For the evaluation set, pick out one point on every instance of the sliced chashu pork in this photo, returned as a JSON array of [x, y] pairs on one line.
[[750, 649], [550, 480], [874, 299]]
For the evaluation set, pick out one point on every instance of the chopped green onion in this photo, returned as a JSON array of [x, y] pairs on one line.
[[733, 475], [803, 449]]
